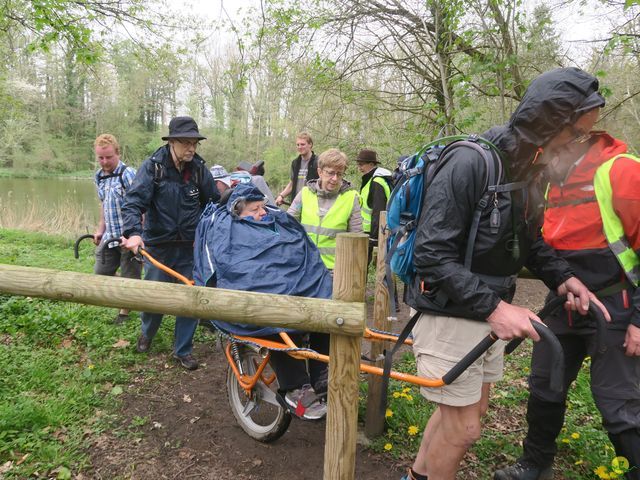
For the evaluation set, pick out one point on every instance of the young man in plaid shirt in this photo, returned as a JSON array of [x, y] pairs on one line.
[[112, 180]]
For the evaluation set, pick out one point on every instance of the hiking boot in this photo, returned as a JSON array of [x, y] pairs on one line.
[[187, 362], [120, 318], [305, 404], [143, 344], [524, 470]]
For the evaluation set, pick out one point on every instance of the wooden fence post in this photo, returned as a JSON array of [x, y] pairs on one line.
[[374, 421], [349, 283]]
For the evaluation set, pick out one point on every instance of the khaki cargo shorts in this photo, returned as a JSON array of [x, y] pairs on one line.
[[440, 342]]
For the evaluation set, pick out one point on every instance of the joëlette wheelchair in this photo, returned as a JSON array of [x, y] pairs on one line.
[[252, 387]]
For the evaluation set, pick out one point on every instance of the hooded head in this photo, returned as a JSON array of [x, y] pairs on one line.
[[247, 201], [553, 101]]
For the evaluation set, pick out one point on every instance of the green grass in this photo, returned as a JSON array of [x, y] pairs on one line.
[[62, 374]]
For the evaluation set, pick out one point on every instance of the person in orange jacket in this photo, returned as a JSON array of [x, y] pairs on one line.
[[592, 219]]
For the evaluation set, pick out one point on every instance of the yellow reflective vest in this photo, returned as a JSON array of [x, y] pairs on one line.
[[613, 228], [365, 208], [323, 230]]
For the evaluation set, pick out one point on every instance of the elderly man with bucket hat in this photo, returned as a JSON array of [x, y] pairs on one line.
[[374, 193], [170, 189]]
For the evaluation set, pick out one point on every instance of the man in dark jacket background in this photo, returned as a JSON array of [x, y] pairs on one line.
[[460, 305], [303, 168], [592, 219], [170, 189], [375, 190]]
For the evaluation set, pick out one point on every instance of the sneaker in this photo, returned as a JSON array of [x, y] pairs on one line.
[[305, 404], [187, 362], [120, 318], [524, 470], [143, 344]]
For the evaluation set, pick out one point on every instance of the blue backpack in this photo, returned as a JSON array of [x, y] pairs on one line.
[[405, 202]]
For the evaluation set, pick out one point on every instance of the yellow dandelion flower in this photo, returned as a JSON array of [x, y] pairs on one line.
[[409, 398], [396, 394], [412, 430], [388, 413], [91, 366], [601, 472], [388, 446], [566, 440], [620, 465], [575, 435], [578, 462], [406, 390], [620, 462]]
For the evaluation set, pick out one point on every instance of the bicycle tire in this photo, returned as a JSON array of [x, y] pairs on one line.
[[262, 416]]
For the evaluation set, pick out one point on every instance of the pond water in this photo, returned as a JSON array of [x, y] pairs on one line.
[[55, 204]]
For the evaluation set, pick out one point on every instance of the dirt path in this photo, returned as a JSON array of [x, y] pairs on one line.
[[178, 425]]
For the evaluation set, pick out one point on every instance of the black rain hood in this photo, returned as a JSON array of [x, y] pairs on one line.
[[553, 100]]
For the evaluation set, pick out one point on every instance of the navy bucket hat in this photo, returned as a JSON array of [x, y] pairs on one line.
[[183, 127]]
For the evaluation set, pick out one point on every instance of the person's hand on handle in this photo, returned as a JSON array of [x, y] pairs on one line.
[[579, 297], [632, 341], [97, 238], [511, 321], [133, 243]]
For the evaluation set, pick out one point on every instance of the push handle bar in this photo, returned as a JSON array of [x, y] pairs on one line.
[[546, 335]]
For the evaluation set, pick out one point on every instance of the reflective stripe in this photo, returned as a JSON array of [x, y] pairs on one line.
[[620, 246], [611, 223], [577, 201], [327, 251], [329, 232]]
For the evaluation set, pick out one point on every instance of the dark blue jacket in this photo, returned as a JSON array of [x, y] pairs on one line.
[[171, 201]]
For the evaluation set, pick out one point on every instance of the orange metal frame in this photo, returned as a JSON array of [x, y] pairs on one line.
[[248, 382]]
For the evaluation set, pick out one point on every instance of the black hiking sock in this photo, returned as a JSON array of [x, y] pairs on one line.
[[416, 476]]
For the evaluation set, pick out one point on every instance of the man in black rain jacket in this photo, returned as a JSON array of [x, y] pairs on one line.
[[170, 189], [460, 305]]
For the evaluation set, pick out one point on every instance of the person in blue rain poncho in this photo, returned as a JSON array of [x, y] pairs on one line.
[[248, 245]]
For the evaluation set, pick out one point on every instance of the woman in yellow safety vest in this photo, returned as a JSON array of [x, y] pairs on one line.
[[328, 206]]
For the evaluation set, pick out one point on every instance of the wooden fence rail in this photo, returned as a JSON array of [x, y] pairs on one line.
[[343, 318]]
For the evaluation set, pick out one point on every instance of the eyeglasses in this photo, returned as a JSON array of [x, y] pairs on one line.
[[331, 173], [188, 143]]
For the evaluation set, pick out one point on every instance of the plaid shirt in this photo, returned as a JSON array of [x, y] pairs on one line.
[[111, 190]]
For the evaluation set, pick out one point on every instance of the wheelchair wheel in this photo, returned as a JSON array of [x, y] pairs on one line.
[[261, 415]]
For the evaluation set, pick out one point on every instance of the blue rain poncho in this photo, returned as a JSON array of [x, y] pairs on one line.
[[274, 255]]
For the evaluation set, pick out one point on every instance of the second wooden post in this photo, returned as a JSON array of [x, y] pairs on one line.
[[349, 283]]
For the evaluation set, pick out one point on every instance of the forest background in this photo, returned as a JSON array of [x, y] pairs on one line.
[[382, 74]]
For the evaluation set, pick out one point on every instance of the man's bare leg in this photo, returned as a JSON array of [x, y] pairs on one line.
[[448, 435]]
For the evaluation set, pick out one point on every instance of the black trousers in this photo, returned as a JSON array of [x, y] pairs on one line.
[[615, 385], [292, 373]]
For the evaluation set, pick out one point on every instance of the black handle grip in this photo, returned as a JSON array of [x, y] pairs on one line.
[[556, 379], [469, 358], [547, 310], [76, 246]]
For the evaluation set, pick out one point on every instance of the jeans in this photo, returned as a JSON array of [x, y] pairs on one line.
[[180, 259]]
